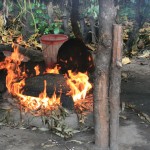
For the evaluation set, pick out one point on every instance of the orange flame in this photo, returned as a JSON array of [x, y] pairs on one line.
[[41, 105], [37, 70], [55, 70], [79, 85], [19, 39], [14, 73]]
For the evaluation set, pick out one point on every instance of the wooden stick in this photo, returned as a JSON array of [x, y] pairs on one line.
[[114, 92]]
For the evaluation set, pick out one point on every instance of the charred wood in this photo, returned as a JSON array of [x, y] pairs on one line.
[[55, 83]]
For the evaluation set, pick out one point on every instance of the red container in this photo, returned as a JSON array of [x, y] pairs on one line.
[[50, 46]]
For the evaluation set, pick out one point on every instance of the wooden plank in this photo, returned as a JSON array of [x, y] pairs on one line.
[[115, 82]]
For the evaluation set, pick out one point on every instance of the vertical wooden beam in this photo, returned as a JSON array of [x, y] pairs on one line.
[[101, 112], [115, 82]]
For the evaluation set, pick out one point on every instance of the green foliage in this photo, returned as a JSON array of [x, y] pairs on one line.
[[35, 13], [41, 19], [9, 4], [39, 11], [91, 9], [126, 13], [54, 28], [129, 9]]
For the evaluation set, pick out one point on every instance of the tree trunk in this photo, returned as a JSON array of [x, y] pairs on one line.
[[65, 18], [81, 18], [65, 25], [114, 93], [93, 33], [75, 18], [82, 26], [50, 12], [102, 71]]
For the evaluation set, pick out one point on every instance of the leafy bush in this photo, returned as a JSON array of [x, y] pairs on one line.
[[41, 19]]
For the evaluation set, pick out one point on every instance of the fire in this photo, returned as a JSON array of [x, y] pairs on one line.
[[79, 85], [42, 105], [55, 70], [14, 73], [37, 70], [19, 39], [15, 81]]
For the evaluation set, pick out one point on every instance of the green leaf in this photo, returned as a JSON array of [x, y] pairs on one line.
[[38, 4], [36, 21], [43, 6], [95, 15], [46, 16], [39, 11], [32, 5], [56, 30]]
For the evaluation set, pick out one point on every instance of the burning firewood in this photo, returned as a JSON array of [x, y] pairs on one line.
[[43, 93], [55, 82]]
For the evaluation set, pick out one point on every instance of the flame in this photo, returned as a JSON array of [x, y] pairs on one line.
[[79, 85], [42, 105], [15, 81], [14, 73], [55, 70], [89, 58], [19, 39], [37, 70]]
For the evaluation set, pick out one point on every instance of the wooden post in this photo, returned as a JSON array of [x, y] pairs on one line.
[[115, 81]]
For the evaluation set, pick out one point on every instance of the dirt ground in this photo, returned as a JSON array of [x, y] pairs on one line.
[[136, 89], [133, 132]]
